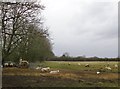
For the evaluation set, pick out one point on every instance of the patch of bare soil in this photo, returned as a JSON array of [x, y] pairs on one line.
[[34, 81]]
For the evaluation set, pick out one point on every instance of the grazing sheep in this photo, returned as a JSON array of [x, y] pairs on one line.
[[38, 68], [23, 61], [69, 63], [87, 65], [108, 68], [45, 69], [23, 64], [54, 72], [116, 66], [6, 64], [11, 64], [98, 72]]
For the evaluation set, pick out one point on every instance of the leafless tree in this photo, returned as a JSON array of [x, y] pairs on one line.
[[15, 22]]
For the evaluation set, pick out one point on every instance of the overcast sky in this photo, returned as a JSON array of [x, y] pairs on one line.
[[83, 27]]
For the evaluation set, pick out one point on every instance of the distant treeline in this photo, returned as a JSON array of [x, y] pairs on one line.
[[82, 59]]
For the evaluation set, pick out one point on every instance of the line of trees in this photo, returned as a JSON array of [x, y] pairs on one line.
[[62, 58], [67, 57], [23, 33]]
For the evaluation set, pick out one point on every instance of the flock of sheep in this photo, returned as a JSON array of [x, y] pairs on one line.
[[47, 69], [22, 64], [107, 67]]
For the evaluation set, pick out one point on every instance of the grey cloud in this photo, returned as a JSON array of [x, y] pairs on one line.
[[82, 28], [97, 18]]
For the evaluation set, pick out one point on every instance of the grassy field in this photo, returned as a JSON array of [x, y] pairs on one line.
[[72, 74]]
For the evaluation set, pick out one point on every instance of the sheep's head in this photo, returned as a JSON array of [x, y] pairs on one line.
[[20, 59]]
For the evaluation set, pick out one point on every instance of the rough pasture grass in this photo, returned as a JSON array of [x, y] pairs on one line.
[[94, 66], [72, 75]]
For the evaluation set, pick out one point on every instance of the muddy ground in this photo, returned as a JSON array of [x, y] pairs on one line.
[[14, 77]]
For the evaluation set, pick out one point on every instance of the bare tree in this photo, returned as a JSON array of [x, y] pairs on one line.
[[15, 20]]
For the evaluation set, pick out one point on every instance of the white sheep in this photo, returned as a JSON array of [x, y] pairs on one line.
[[98, 72], [68, 63], [116, 66], [54, 72], [11, 64], [108, 68], [38, 68], [23, 61], [87, 65], [6, 64], [23, 64], [45, 69]]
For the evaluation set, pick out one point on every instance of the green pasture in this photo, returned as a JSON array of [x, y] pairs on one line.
[[72, 74], [80, 66]]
